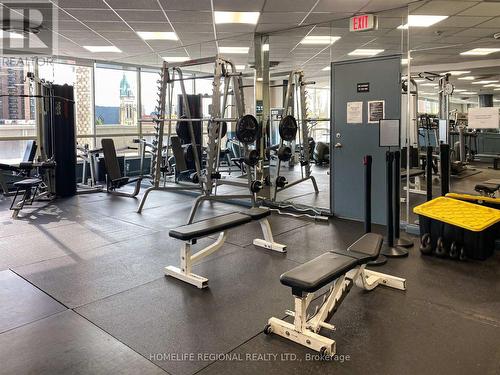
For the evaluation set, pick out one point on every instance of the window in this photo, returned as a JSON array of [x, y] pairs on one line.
[[17, 110], [116, 109]]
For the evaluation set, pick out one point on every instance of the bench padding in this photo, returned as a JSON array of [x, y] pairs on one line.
[[29, 182], [257, 213], [210, 226], [313, 275]]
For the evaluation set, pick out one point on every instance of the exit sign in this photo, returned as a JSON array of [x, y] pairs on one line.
[[363, 22]]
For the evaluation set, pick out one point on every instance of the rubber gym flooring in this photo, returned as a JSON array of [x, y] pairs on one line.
[[82, 291]]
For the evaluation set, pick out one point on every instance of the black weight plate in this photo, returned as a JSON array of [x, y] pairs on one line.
[[247, 129], [288, 128], [181, 128], [223, 130]]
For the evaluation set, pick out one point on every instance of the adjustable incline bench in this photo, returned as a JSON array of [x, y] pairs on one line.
[[343, 269], [191, 232]]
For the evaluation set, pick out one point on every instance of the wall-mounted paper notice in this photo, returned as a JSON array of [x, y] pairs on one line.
[[354, 112], [483, 118], [376, 111]]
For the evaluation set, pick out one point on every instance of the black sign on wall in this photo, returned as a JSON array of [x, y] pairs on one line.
[[364, 87]]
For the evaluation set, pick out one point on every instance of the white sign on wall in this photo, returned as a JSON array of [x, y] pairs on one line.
[[354, 112], [483, 118]]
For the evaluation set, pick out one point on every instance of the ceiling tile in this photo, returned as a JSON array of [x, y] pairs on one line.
[[134, 4], [279, 17], [190, 16], [94, 15], [444, 8], [151, 26], [239, 5], [289, 6], [483, 9], [186, 4], [81, 4], [142, 15], [341, 6]]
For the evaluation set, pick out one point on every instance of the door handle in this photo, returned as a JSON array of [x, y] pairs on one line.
[[338, 145]]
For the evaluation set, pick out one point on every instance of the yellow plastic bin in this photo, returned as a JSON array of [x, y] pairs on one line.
[[457, 228]]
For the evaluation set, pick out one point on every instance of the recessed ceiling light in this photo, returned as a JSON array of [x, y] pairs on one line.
[[480, 51], [422, 21], [157, 35], [240, 50], [365, 52], [458, 72], [236, 17], [484, 82], [259, 79], [174, 59], [459, 90], [240, 67], [102, 48], [326, 68], [265, 47], [319, 39], [468, 93], [468, 78]]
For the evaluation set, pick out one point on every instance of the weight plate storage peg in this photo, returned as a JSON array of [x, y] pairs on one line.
[[251, 158], [247, 129], [281, 181], [284, 153], [288, 128]]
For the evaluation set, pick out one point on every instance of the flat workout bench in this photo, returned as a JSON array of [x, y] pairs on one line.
[[190, 233], [343, 268]]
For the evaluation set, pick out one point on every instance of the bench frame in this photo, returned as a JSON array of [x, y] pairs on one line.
[[305, 330], [188, 260]]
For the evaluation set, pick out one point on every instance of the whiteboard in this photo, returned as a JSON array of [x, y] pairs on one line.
[[389, 133], [483, 118]]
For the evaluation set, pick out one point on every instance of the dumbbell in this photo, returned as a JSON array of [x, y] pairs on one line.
[[281, 181]]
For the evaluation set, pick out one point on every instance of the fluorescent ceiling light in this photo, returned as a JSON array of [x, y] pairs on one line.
[[240, 67], [420, 80], [497, 89], [468, 93], [484, 82], [492, 85], [157, 35], [174, 59], [326, 68], [459, 90], [458, 72], [365, 52], [319, 39], [240, 50], [265, 47], [468, 78], [422, 21], [10, 35], [102, 48], [259, 79], [429, 84], [480, 51], [405, 61], [236, 17]]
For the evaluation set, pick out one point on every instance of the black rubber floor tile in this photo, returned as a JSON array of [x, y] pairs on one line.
[[169, 316], [66, 343], [73, 239], [22, 303], [383, 333], [102, 272]]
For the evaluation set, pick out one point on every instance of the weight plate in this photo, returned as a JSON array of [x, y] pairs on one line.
[[288, 128], [247, 129], [223, 130]]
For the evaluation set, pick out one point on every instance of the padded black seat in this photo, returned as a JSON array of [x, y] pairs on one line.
[[257, 213], [322, 270], [487, 188], [27, 183], [311, 276], [210, 226]]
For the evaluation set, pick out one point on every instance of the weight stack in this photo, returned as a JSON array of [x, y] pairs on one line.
[[196, 111], [63, 128]]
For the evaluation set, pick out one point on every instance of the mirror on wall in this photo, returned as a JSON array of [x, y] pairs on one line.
[[456, 81]]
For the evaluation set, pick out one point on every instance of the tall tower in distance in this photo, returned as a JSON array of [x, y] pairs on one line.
[[128, 106]]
